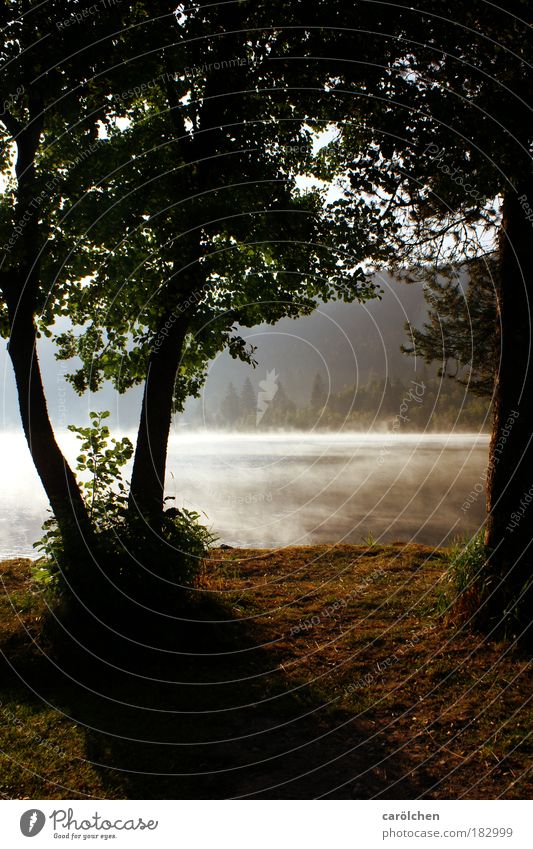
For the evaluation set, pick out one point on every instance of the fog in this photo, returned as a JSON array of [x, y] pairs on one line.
[[276, 489], [347, 343], [280, 489]]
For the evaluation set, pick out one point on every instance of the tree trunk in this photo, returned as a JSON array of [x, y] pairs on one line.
[[19, 287], [55, 473], [149, 465], [510, 477]]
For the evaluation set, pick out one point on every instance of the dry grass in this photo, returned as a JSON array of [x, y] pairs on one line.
[[320, 671]]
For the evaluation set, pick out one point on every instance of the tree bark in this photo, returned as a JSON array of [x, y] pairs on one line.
[[55, 473], [510, 478], [149, 465]]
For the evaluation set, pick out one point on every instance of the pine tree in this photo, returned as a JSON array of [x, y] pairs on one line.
[[248, 401], [389, 401], [461, 331], [318, 392], [230, 406], [282, 400]]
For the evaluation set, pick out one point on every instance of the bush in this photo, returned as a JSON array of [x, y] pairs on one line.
[[155, 564], [129, 560]]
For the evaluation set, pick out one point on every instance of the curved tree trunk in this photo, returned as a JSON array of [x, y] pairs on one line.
[[20, 286], [510, 480], [149, 465], [55, 473]]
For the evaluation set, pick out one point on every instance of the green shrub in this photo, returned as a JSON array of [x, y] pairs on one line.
[[168, 557], [141, 561]]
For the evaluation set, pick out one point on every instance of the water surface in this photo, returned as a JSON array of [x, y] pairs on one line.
[[269, 490]]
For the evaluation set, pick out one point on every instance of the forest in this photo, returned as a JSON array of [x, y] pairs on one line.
[[355, 407]]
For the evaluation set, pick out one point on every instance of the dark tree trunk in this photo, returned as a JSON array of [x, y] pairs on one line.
[[510, 480], [55, 473], [149, 465], [20, 286]]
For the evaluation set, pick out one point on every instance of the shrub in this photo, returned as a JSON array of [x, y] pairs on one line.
[[150, 565]]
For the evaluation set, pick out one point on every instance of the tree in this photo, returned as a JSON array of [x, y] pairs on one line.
[[248, 401], [318, 392], [282, 402], [55, 77], [200, 220], [230, 406], [155, 203], [278, 406], [441, 130], [462, 328]]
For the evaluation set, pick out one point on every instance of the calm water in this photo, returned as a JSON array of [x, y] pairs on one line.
[[270, 490]]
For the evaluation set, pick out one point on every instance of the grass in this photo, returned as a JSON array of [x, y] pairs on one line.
[[469, 591], [304, 672]]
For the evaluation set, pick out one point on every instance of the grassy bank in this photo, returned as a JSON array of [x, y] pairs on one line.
[[319, 671]]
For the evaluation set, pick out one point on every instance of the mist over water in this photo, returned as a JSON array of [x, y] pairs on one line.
[[271, 490], [279, 489]]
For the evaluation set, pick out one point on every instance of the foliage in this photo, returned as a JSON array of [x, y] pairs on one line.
[[194, 208], [440, 126], [369, 539], [157, 566], [461, 333], [103, 458], [456, 594], [104, 491]]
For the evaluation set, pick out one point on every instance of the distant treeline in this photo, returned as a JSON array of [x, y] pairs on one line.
[[428, 403]]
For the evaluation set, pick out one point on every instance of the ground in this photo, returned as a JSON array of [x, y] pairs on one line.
[[326, 671]]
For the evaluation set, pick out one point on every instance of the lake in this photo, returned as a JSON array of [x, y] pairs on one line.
[[279, 489]]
